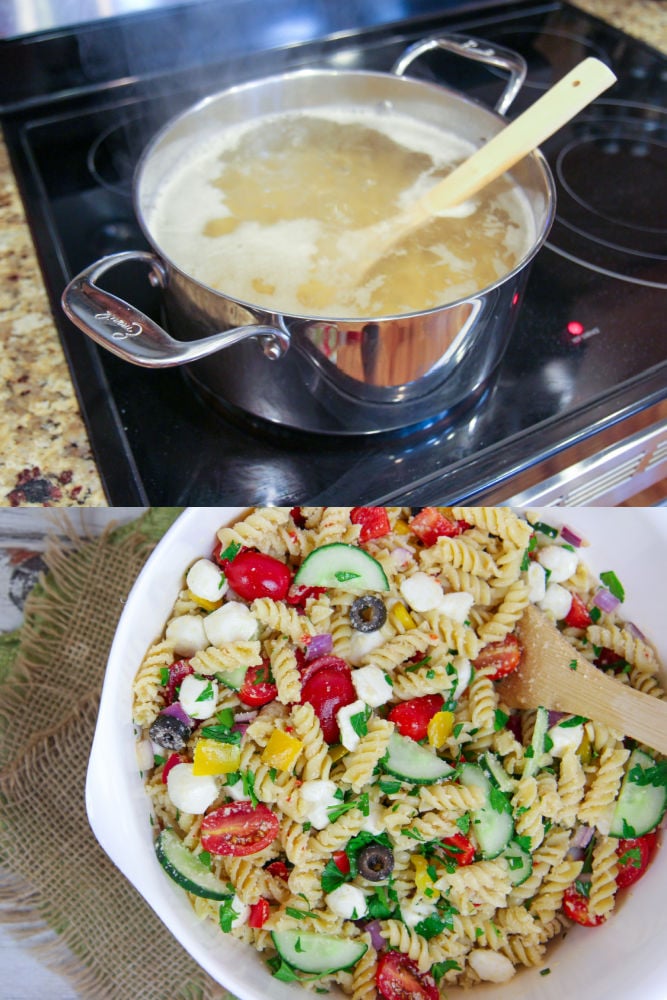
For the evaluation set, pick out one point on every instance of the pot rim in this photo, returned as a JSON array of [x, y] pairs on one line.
[[279, 78]]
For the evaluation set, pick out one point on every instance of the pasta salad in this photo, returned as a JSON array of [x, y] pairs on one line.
[[334, 776]]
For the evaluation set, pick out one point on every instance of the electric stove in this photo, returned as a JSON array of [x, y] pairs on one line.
[[577, 410]]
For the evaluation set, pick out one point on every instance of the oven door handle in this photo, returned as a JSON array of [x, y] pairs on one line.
[[129, 333], [477, 50]]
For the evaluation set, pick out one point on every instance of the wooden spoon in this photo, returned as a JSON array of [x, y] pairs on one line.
[[549, 113], [551, 673]]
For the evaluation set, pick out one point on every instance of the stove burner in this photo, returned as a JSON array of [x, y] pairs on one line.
[[636, 164], [114, 154], [619, 226], [549, 54]]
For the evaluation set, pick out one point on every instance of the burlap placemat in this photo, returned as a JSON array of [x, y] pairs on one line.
[[59, 892]]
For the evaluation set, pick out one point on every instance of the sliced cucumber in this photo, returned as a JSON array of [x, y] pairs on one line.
[[233, 678], [492, 823], [343, 566], [317, 953], [535, 751], [640, 807], [413, 762], [498, 773], [519, 862], [185, 868]]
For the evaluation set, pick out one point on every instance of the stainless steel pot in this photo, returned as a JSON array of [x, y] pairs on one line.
[[339, 376]]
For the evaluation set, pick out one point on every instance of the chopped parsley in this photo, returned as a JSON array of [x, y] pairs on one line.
[[613, 584]]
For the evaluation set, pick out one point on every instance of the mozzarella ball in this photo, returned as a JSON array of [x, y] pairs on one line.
[[206, 580], [198, 696], [456, 605], [233, 622], [422, 592], [319, 795], [348, 902], [557, 601], [491, 966], [561, 562], [348, 735], [187, 634], [191, 793], [536, 578], [371, 685], [565, 738], [362, 643]]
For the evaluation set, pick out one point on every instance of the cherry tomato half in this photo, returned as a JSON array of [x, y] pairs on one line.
[[297, 596], [278, 869], [177, 672], [578, 616], [430, 524], [172, 760], [634, 854], [398, 978], [459, 849], [328, 690], [258, 687], [575, 906], [502, 657], [259, 913], [253, 574], [412, 717], [374, 522], [341, 861], [327, 662], [239, 828]]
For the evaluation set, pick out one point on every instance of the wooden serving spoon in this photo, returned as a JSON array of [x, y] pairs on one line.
[[549, 113], [552, 674]]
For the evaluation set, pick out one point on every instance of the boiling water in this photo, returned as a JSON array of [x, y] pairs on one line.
[[277, 213]]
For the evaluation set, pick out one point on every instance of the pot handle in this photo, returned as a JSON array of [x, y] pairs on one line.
[[133, 336], [477, 50]]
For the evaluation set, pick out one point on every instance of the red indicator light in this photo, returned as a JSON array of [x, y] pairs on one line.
[[575, 328]]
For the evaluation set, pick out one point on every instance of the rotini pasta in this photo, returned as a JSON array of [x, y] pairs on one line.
[[345, 770]]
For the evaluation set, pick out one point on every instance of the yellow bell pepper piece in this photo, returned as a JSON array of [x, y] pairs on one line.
[[402, 527], [440, 726], [401, 617], [424, 876], [203, 603], [281, 751], [337, 751], [585, 749], [214, 757]]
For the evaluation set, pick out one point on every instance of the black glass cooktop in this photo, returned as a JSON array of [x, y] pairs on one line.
[[589, 348]]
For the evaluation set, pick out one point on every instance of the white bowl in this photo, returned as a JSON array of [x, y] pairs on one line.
[[624, 958]]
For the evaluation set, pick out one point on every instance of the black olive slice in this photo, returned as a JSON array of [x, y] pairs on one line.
[[367, 613], [169, 732], [375, 862]]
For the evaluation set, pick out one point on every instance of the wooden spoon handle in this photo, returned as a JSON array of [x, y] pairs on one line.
[[592, 694], [548, 114], [554, 675]]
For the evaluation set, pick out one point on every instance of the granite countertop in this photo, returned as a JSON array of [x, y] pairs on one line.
[[45, 456]]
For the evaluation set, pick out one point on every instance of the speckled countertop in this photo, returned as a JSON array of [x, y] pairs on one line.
[[45, 457]]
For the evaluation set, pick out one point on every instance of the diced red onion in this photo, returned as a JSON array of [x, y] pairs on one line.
[[582, 836], [319, 645], [240, 727], [634, 631], [245, 716], [555, 717], [570, 536], [177, 710], [401, 556], [377, 940], [605, 600]]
